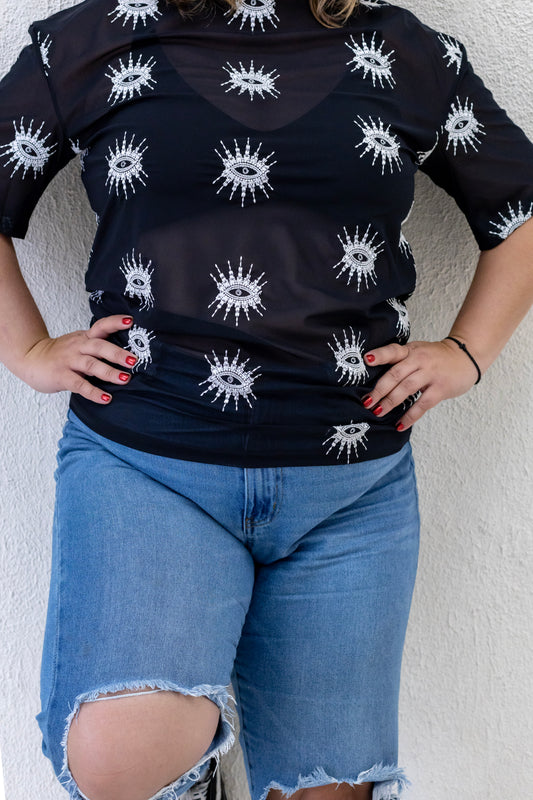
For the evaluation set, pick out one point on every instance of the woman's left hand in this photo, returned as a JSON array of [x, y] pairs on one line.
[[439, 370]]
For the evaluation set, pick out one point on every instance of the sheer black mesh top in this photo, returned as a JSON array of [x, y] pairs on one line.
[[250, 172]]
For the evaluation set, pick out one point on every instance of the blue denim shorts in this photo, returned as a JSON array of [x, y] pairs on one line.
[[291, 585]]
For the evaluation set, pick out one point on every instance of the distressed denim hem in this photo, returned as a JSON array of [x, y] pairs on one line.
[[222, 742], [389, 782]]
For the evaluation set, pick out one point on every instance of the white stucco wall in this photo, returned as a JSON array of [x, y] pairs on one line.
[[466, 699]]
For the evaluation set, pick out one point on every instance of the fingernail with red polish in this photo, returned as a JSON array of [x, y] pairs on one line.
[[400, 427], [377, 411], [124, 376], [131, 360], [370, 358], [368, 402], [106, 397], [127, 320]]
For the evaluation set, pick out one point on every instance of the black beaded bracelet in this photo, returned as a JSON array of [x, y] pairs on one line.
[[471, 357]]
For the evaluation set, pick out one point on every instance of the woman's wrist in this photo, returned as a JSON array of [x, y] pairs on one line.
[[462, 344]]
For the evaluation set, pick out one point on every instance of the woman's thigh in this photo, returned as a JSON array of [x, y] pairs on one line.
[[317, 671], [146, 590]]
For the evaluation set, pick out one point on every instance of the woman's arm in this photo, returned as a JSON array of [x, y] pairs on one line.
[[53, 364], [499, 297]]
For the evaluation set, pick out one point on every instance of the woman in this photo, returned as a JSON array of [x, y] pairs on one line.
[[235, 493]]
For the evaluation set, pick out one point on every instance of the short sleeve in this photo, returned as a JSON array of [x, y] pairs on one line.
[[481, 158], [33, 147]]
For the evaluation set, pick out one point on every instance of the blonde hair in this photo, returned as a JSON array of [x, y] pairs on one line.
[[330, 13]]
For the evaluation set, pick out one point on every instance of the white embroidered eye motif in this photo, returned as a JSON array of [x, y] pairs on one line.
[[135, 10], [255, 11], [405, 247], [402, 324], [453, 51], [130, 79], [251, 80], [349, 358], [80, 151], [381, 142], [423, 155], [372, 59], [96, 296], [509, 224], [462, 126], [230, 379], [138, 279], [44, 47], [125, 164], [246, 170], [348, 437], [139, 343], [27, 149], [238, 292], [360, 256]]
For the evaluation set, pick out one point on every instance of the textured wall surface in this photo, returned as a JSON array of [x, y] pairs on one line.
[[466, 701]]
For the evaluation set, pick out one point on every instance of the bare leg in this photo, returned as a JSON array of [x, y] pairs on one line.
[[131, 747]]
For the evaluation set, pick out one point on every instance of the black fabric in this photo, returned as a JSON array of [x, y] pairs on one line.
[[250, 173]]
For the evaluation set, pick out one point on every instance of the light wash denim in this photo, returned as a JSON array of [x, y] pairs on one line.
[[291, 585]]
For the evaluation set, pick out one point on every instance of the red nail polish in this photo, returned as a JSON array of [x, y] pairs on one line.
[[127, 320], [370, 358], [368, 402], [377, 411], [131, 360], [106, 397], [400, 427], [124, 376]]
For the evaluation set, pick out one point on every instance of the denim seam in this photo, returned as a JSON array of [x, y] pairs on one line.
[[55, 658], [244, 734]]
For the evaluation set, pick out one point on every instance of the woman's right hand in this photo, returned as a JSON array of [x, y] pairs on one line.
[[58, 364]]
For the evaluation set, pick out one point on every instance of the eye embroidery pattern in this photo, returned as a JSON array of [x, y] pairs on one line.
[[372, 60], [244, 170], [255, 11], [96, 296], [239, 292], [135, 10], [360, 256], [382, 142], [509, 224], [348, 438], [349, 358], [130, 79], [79, 152], [404, 246], [232, 380], [44, 47], [138, 280], [453, 53], [139, 343], [423, 155], [462, 126], [125, 164], [251, 80], [27, 149], [402, 325]]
